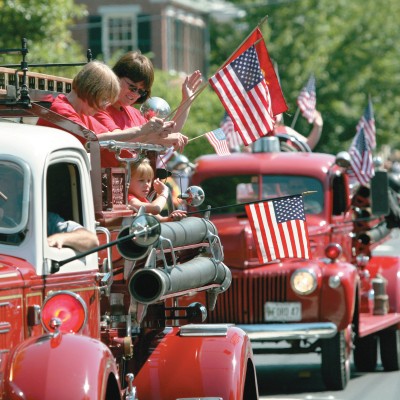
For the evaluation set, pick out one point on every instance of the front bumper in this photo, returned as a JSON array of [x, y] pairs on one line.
[[276, 332]]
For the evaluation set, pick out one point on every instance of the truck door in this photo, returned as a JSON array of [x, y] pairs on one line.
[[67, 193]]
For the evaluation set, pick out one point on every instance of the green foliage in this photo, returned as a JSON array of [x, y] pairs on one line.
[[205, 114], [45, 25], [351, 47]]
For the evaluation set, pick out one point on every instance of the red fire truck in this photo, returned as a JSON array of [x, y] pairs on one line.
[[107, 323], [345, 299]]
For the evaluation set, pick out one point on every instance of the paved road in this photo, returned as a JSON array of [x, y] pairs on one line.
[[390, 247], [298, 377]]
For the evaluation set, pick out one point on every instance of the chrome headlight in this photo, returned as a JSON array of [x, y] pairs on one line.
[[303, 281]]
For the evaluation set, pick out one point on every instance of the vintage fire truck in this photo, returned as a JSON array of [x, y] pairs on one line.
[[344, 300], [107, 323]]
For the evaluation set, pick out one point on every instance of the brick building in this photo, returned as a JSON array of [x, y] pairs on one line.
[[174, 33]]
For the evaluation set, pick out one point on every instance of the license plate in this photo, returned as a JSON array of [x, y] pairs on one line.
[[282, 311]]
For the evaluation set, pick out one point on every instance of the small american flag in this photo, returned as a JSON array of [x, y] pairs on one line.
[[217, 140], [361, 158], [279, 228], [307, 100], [367, 122], [244, 94], [232, 137]]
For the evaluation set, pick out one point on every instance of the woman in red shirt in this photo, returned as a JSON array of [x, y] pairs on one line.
[[136, 74]]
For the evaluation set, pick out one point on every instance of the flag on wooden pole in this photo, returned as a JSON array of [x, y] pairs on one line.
[[361, 159], [256, 38], [217, 140], [244, 94], [279, 228], [367, 122], [233, 139]]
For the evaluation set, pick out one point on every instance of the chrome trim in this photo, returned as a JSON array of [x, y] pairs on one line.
[[114, 145], [205, 329], [312, 330], [334, 281], [5, 327]]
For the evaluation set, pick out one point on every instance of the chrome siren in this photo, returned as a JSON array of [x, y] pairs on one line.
[[155, 107]]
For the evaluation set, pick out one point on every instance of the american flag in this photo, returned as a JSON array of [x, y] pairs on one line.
[[244, 94], [361, 157], [279, 228], [232, 137], [367, 122], [256, 38], [307, 100], [217, 140]]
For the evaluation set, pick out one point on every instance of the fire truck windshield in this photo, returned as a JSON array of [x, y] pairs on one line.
[[234, 189], [286, 185]]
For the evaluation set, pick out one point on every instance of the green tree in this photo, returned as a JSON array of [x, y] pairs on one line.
[[45, 25], [352, 47]]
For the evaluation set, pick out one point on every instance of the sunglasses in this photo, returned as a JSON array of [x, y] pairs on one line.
[[134, 89]]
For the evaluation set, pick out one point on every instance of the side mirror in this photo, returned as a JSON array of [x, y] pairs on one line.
[[194, 196], [380, 193]]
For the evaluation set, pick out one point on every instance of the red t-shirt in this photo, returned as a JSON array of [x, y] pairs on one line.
[[142, 199], [122, 118], [62, 106]]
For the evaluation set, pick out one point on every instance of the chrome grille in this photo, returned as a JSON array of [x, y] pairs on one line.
[[243, 302]]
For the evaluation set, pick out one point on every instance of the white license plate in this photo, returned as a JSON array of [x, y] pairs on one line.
[[282, 311]]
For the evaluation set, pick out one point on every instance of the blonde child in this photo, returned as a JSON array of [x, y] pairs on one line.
[[142, 178]]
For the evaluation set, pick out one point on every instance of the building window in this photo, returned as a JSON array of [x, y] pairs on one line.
[[119, 29], [185, 41]]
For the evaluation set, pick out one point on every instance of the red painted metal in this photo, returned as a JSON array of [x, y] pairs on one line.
[[343, 295], [50, 367], [122, 339], [206, 366]]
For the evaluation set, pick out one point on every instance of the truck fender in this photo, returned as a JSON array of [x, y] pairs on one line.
[[198, 366], [61, 366], [338, 303]]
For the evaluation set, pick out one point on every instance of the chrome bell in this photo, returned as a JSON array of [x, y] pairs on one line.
[[155, 107]]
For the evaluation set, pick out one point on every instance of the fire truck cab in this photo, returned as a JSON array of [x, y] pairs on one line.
[[105, 323]]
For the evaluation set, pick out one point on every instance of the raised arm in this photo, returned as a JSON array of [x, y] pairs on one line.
[[315, 134], [189, 88]]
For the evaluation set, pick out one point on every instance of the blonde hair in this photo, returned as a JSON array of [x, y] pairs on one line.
[[96, 84], [142, 169]]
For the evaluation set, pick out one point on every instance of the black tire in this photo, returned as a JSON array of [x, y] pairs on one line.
[[366, 353], [335, 363], [389, 343]]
